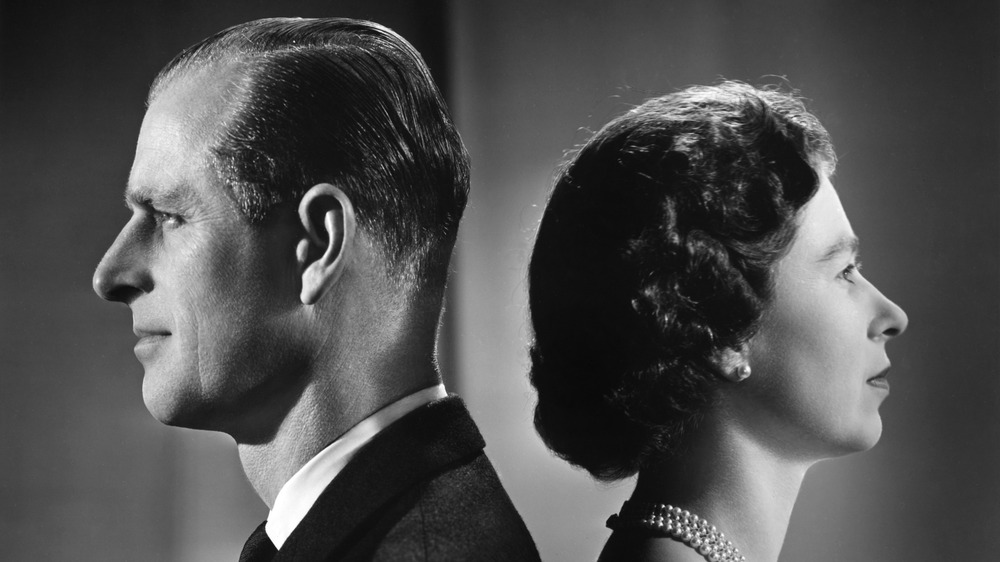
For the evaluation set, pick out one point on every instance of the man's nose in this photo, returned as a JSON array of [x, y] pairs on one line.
[[122, 274]]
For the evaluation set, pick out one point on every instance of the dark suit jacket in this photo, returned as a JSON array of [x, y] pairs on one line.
[[422, 489]]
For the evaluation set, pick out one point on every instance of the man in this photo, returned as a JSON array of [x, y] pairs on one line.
[[295, 197]]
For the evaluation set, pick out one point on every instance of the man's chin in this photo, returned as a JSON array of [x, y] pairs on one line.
[[171, 415], [173, 408]]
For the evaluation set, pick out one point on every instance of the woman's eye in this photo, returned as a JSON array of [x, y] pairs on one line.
[[850, 272]]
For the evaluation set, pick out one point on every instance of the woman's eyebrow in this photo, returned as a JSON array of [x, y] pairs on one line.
[[846, 244]]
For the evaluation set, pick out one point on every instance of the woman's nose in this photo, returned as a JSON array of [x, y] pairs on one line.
[[890, 320]]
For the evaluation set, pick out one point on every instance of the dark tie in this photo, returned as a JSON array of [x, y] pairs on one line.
[[258, 547]]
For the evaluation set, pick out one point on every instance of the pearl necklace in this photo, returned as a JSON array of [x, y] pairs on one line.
[[662, 520]]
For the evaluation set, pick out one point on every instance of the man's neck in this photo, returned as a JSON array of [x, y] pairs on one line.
[[323, 413]]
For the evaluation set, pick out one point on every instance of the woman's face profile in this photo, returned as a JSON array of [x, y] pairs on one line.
[[819, 359]]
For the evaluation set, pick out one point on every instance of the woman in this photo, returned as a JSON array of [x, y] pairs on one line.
[[700, 319]]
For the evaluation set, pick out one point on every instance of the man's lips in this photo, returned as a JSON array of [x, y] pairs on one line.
[[148, 339], [880, 380], [149, 332]]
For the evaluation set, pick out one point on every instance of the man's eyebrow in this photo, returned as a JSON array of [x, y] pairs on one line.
[[177, 197], [846, 244]]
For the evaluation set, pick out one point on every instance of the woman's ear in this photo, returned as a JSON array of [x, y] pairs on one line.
[[732, 364], [328, 221]]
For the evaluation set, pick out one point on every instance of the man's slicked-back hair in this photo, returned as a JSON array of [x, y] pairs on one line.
[[342, 101]]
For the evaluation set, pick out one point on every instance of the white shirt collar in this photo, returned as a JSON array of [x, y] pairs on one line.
[[302, 490]]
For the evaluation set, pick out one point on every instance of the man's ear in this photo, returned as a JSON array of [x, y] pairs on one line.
[[328, 221]]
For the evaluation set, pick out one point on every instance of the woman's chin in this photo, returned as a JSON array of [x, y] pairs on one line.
[[861, 439]]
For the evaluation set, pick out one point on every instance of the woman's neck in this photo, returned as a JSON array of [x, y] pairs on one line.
[[740, 487]]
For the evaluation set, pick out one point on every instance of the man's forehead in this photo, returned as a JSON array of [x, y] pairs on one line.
[[194, 102], [177, 131], [167, 152]]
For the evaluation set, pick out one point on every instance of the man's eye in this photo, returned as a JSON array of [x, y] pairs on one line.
[[167, 219]]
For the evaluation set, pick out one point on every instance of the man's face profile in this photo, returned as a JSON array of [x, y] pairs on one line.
[[212, 296]]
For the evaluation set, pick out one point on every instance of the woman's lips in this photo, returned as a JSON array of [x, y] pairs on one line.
[[880, 380]]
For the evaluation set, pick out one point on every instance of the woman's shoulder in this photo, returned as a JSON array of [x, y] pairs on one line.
[[636, 547]]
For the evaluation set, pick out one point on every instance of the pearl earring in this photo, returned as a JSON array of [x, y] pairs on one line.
[[742, 372]]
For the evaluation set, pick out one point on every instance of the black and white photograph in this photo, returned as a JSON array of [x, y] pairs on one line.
[[449, 280]]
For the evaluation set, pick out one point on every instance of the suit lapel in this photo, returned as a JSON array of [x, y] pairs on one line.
[[413, 449]]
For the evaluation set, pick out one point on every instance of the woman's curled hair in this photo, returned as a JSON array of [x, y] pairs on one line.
[[655, 253]]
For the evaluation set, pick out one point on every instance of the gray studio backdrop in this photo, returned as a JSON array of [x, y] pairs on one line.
[[911, 95]]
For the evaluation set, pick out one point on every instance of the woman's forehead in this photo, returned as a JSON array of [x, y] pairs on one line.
[[824, 230]]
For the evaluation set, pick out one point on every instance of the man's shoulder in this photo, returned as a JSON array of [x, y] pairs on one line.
[[463, 514], [462, 511], [422, 489]]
